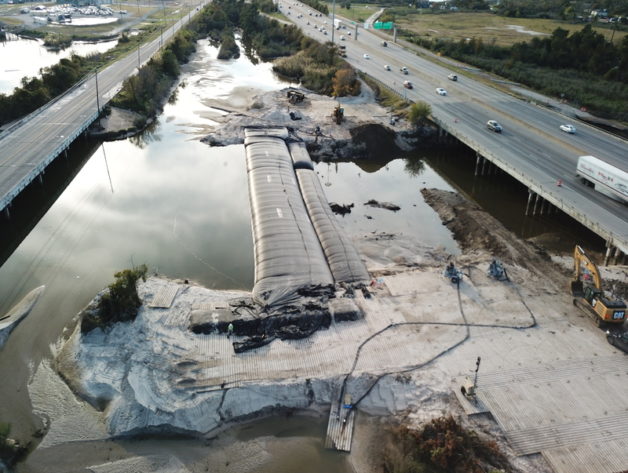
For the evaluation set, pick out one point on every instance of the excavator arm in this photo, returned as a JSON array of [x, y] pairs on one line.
[[581, 260]]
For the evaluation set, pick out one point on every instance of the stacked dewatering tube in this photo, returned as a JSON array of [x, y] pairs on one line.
[[342, 257], [297, 240], [287, 251]]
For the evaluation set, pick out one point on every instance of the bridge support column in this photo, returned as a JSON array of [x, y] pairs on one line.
[[610, 249], [484, 164], [41, 178], [7, 211], [530, 194], [478, 158], [536, 202]]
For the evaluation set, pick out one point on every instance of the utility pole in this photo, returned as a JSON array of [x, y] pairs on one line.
[[138, 56], [333, 20], [97, 94]]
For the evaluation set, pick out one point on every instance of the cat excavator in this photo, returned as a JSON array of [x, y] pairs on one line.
[[591, 298]]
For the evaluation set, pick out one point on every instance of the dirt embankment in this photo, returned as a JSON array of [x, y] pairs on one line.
[[476, 229]]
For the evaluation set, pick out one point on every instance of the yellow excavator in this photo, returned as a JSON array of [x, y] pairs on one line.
[[591, 298]]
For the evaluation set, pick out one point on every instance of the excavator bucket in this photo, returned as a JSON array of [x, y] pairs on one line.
[[577, 289]]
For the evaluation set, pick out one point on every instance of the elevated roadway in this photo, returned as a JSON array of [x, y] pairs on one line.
[[29, 146], [531, 147]]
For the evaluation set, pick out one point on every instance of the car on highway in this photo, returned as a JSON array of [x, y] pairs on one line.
[[494, 126], [404, 70], [366, 56], [618, 339], [342, 38], [407, 84], [441, 91], [387, 67], [453, 77], [568, 129]]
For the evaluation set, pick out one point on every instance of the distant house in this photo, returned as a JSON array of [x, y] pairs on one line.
[[599, 14]]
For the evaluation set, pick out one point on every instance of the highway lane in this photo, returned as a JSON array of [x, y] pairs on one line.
[[531, 145], [31, 146]]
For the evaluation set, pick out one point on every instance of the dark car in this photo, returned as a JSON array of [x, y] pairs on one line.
[[618, 339]]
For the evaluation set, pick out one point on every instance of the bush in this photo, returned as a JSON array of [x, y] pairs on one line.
[[119, 303], [418, 113], [441, 446], [228, 47]]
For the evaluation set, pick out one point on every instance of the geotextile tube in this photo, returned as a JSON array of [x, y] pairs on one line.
[[288, 254], [342, 257]]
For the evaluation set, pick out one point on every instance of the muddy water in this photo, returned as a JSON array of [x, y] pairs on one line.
[[25, 57]]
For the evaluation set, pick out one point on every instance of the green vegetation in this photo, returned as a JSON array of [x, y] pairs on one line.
[[316, 5], [146, 91], [583, 68], [318, 67], [490, 28], [419, 113], [119, 303], [441, 446], [266, 6], [557, 8], [228, 47], [384, 95], [37, 91], [357, 12], [57, 41]]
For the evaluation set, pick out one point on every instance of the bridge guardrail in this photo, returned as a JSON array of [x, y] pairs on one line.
[[544, 191]]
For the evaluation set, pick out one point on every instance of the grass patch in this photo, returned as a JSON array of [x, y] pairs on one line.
[[491, 28], [358, 12], [384, 95], [9, 20]]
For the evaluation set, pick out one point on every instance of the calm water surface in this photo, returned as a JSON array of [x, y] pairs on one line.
[[25, 57], [181, 207]]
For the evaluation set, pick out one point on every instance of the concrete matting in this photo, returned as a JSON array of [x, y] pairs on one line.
[[563, 410], [164, 298]]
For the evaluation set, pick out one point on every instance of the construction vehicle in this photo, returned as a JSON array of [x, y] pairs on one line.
[[591, 298], [295, 96], [338, 114]]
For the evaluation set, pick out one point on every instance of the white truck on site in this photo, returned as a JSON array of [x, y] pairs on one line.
[[605, 178], [337, 23]]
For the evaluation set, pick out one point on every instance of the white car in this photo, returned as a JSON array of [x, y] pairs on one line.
[[366, 56], [494, 126], [387, 67], [568, 129], [342, 38], [441, 91]]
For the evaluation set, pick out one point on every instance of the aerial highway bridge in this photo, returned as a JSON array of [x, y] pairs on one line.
[[28, 146], [531, 147]]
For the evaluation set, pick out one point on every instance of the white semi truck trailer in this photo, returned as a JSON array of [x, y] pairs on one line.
[[604, 177]]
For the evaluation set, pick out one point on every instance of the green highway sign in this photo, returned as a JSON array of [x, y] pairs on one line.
[[380, 25]]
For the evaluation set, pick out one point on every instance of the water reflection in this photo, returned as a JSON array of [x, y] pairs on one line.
[[398, 181], [25, 57]]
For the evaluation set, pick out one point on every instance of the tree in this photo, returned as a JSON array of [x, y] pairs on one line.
[[170, 64], [419, 112]]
